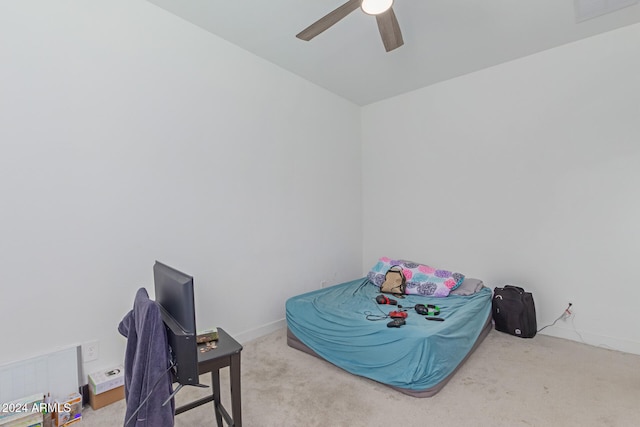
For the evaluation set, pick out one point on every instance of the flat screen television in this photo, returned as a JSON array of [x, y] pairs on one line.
[[174, 295]]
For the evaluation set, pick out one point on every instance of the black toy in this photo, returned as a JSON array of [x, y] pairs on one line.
[[396, 323]]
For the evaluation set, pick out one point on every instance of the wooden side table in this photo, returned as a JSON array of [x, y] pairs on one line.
[[227, 353]]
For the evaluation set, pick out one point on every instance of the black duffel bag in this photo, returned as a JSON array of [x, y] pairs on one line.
[[514, 311]]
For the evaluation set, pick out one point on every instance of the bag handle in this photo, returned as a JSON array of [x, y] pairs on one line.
[[517, 288], [393, 269]]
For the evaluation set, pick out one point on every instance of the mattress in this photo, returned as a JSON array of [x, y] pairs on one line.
[[344, 325]]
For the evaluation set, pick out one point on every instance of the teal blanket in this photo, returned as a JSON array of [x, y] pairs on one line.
[[333, 323]]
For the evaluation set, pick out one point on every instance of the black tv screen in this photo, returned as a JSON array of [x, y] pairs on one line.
[[174, 292]]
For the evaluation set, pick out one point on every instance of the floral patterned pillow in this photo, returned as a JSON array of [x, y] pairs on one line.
[[421, 279]]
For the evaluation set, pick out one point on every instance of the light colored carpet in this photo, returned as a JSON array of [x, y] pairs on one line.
[[508, 381]]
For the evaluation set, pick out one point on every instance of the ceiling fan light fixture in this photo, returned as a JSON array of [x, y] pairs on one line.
[[376, 7]]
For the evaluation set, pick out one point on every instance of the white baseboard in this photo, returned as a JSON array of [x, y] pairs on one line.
[[252, 334], [610, 343]]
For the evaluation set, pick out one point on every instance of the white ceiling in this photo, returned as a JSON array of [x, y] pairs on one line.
[[443, 38]]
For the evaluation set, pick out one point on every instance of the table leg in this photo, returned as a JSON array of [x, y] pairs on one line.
[[236, 406], [215, 384]]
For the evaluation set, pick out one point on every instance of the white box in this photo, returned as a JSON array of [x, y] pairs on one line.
[[102, 381], [68, 410]]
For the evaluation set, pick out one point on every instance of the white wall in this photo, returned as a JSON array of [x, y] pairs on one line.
[[524, 173], [128, 135]]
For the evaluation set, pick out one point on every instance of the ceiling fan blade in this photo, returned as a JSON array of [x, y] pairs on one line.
[[328, 20], [389, 30]]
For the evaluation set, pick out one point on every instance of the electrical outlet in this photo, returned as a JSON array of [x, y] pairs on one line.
[[90, 351]]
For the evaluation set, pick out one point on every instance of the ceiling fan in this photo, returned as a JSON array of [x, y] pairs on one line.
[[381, 9]]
